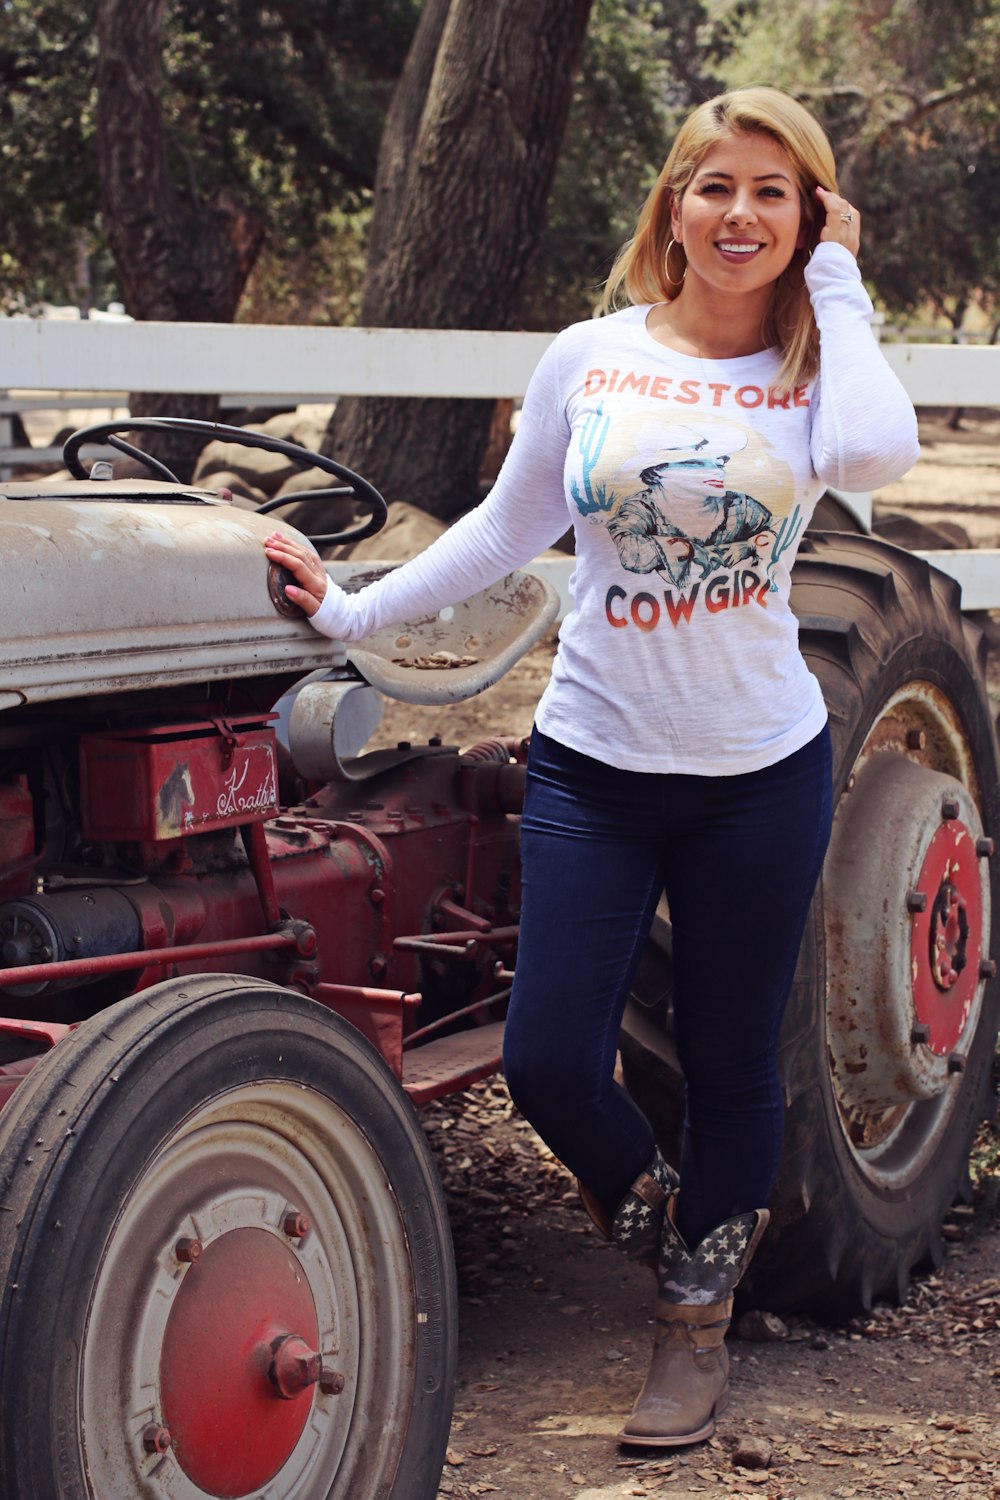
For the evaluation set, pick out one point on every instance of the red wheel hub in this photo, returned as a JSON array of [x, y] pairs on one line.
[[238, 1362], [946, 939]]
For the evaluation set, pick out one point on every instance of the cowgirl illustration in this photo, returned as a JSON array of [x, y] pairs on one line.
[[686, 523]]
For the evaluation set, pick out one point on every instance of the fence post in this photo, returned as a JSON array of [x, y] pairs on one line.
[[6, 437]]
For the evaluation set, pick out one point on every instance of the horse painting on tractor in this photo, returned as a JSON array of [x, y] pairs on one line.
[[237, 947]]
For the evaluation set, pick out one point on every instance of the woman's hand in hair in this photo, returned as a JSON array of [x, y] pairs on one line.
[[843, 222]]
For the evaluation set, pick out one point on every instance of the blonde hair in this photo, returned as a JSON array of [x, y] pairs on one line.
[[639, 274]]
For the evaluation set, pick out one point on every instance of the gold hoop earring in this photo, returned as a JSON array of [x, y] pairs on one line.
[[666, 264]]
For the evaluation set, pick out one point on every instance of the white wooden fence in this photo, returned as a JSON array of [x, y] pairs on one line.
[[51, 364]]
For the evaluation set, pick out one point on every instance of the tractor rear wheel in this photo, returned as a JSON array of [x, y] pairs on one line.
[[888, 1042], [226, 1262]]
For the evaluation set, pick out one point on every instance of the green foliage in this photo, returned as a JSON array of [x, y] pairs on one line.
[[282, 103], [907, 92], [931, 227], [644, 62], [611, 150], [48, 184], [315, 283]]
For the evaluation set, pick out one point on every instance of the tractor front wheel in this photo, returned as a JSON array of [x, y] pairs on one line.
[[226, 1263]]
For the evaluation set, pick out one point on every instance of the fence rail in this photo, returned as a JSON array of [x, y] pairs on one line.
[[93, 364], [226, 358]]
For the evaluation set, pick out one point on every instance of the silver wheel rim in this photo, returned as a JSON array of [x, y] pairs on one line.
[[246, 1159]]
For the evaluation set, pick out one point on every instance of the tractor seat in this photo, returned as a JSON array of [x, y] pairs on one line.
[[458, 652]]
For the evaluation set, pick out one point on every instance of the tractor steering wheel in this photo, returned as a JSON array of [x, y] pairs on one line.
[[352, 484]]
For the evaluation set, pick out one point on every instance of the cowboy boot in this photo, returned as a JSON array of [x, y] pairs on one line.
[[688, 1380], [637, 1222]]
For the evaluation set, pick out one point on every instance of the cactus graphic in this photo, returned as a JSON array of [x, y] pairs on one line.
[[593, 435], [784, 538]]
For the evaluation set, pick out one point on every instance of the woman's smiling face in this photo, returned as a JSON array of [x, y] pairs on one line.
[[740, 217]]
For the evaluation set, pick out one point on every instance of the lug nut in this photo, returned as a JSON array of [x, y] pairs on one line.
[[984, 848], [156, 1439], [956, 1063], [916, 739], [188, 1250], [920, 1034], [916, 901], [987, 968], [331, 1382], [294, 1367], [949, 808], [295, 1225]]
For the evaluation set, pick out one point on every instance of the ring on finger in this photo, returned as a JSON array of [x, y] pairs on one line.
[[847, 218]]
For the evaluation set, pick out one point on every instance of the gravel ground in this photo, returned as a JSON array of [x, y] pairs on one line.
[[555, 1330]]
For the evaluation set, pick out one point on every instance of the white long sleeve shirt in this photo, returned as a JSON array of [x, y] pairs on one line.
[[689, 484]]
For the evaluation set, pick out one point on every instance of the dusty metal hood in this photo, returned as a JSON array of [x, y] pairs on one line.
[[125, 585]]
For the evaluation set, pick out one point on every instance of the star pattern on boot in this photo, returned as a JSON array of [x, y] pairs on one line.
[[710, 1271], [636, 1225]]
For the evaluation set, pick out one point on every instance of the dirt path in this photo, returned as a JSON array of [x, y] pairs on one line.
[[555, 1325], [554, 1333], [956, 480]]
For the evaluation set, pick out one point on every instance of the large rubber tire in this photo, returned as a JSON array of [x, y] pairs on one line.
[[863, 1189], [217, 1110]]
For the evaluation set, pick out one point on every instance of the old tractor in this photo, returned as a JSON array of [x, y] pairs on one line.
[[236, 947]]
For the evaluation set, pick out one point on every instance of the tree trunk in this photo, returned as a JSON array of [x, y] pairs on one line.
[[402, 123], [179, 258], [464, 175]]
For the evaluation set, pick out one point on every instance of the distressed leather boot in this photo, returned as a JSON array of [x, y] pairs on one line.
[[688, 1380], [637, 1223]]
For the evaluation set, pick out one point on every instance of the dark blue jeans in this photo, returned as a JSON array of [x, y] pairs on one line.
[[738, 858]]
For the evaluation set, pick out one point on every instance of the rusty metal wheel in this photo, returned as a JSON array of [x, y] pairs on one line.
[[226, 1260], [889, 1037]]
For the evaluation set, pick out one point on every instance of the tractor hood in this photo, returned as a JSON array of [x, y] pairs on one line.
[[112, 587]]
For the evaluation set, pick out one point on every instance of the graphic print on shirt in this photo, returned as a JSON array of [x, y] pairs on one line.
[[682, 501]]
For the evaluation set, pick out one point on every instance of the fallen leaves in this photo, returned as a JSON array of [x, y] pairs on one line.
[[438, 661], [893, 1437]]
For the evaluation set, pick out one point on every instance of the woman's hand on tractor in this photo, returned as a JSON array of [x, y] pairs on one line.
[[304, 564]]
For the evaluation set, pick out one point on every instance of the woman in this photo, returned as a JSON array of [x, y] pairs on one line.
[[681, 744]]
